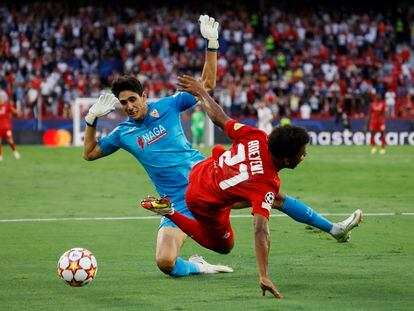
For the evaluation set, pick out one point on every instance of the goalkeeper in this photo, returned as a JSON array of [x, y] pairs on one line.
[[154, 136], [197, 126]]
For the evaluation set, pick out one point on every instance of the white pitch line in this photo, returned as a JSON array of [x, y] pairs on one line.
[[79, 219], [158, 217]]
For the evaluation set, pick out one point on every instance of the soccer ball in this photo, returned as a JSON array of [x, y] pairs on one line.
[[77, 267]]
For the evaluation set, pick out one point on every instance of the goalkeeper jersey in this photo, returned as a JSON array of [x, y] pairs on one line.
[[197, 120], [158, 142]]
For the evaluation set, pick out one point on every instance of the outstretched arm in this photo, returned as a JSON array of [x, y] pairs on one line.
[[104, 105], [262, 246], [91, 150], [210, 106], [209, 31], [208, 76]]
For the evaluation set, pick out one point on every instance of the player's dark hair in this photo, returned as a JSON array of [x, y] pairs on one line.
[[287, 140], [127, 83]]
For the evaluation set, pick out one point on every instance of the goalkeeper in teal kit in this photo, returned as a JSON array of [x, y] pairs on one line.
[[154, 136]]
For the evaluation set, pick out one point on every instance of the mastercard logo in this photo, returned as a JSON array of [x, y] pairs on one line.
[[57, 138]]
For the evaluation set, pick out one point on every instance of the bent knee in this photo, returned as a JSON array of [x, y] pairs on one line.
[[225, 250], [166, 265]]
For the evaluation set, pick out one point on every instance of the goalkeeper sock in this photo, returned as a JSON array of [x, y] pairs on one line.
[[183, 268], [303, 213]]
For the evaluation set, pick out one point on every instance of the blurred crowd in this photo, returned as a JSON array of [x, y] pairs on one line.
[[308, 63]]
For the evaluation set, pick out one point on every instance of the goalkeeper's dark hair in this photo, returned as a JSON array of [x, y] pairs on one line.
[[127, 83], [287, 140]]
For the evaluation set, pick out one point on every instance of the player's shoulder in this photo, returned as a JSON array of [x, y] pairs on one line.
[[161, 101], [174, 97], [164, 102], [161, 107], [179, 101], [123, 126], [178, 95], [126, 122], [244, 129], [115, 132]]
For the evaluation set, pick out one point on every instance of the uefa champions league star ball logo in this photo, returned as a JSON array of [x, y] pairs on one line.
[[269, 198]]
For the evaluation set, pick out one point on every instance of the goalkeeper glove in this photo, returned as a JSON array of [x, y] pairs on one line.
[[104, 105], [209, 31]]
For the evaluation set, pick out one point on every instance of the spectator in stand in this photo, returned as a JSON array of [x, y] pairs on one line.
[[302, 52], [264, 117], [305, 111], [285, 119], [390, 101]]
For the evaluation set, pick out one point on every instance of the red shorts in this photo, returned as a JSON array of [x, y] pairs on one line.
[[6, 133], [377, 126], [213, 216]]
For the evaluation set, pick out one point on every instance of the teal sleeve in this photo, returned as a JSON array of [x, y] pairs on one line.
[[109, 144], [184, 101]]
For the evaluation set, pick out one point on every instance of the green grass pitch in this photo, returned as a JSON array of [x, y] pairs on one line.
[[372, 272]]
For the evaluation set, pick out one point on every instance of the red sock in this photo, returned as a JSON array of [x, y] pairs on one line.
[[382, 140], [372, 139], [12, 146], [210, 239]]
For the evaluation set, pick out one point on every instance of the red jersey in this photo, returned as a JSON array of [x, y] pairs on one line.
[[245, 172], [378, 110], [5, 116]]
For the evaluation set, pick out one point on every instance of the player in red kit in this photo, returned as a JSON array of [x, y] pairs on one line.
[[376, 121], [6, 110], [247, 172]]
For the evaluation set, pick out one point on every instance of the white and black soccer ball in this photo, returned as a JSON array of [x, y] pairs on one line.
[[77, 267], [269, 198]]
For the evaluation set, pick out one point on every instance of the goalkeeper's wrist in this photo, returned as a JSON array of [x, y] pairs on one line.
[[91, 120], [212, 45]]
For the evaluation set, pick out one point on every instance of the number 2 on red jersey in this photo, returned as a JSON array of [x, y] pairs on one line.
[[229, 160]]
